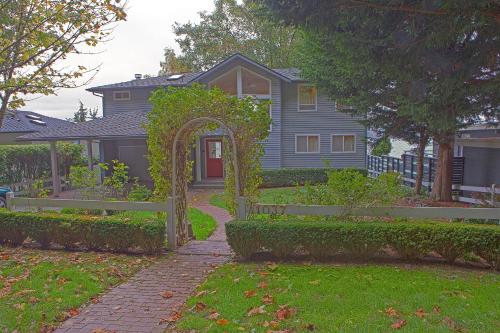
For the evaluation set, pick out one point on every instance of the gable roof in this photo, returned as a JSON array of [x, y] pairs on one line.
[[27, 121], [285, 74], [123, 124]]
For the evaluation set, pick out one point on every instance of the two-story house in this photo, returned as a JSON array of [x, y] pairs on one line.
[[306, 130]]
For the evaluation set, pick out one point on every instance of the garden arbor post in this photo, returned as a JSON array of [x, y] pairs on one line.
[[90, 162], [56, 182], [171, 202]]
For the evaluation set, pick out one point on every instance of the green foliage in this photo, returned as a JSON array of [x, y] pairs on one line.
[[294, 177], [173, 107], [116, 181], [233, 27], [19, 163], [74, 231], [382, 147], [139, 193], [364, 239], [83, 114], [350, 188], [85, 181]]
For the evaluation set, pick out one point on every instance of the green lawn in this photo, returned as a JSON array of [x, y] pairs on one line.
[[281, 195], [40, 288], [203, 224], [344, 298]]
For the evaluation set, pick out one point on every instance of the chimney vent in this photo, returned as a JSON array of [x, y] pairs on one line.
[[138, 76]]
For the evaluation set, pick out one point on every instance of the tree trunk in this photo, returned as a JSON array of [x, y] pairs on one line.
[[441, 190], [3, 109], [420, 162]]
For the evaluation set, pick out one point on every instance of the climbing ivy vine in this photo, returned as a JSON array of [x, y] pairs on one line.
[[172, 108]]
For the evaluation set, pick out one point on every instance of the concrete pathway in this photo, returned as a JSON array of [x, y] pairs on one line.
[[137, 305]]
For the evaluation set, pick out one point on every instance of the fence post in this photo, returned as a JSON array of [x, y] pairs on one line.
[[9, 196], [241, 210], [493, 195], [171, 235]]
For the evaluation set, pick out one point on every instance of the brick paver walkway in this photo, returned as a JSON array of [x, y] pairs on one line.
[[137, 306]]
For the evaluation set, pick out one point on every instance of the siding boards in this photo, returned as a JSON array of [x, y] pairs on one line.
[[272, 145], [325, 121], [139, 101]]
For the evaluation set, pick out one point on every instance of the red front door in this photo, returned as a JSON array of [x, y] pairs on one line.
[[214, 158]]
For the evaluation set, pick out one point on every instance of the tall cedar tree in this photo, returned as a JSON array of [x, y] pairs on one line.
[[234, 27], [37, 36], [436, 62]]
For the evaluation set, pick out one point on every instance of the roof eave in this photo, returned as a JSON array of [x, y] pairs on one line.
[[72, 138]]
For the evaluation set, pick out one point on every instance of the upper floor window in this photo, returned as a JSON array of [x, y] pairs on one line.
[[308, 143], [121, 95], [308, 97], [343, 143], [243, 82]]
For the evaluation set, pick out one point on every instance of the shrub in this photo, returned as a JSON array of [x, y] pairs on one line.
[[19, 163], [293, 177], [364, 239], [74, 231], [139, 193]]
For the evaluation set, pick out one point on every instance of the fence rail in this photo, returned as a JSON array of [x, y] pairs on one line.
[[415, 212], [13, 202]]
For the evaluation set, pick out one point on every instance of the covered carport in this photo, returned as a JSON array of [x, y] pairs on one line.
[[128, 126]]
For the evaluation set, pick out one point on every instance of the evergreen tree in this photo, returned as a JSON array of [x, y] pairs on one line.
[[436, 63]]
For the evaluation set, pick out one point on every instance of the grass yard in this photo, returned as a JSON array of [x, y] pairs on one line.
[[345, 298], [203, 224], [280, 195], [39, 288]]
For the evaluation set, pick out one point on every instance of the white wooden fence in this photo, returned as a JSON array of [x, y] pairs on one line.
[[489, 192], [414, 212]]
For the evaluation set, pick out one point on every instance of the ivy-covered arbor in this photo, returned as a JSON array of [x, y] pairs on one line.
[[178, 116]]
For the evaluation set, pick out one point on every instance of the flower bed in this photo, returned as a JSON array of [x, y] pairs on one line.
[[410, 240], [76, 231]]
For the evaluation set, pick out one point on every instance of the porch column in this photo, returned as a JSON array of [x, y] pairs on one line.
[[89, 155], [56, 182], [198, 160]]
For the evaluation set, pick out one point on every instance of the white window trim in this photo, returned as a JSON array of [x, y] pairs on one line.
[[308, 152], [121, 99], [298, 97], [343, 143]]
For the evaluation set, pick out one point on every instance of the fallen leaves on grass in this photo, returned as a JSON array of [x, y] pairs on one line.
[[267, 299], [420, 313], [285, 312], [167, 294], [399, 324], [213, 316], [201, 293], [250, 293], [73, 312], [200, 306], [222, 322], [256, 311], [436, 309], [391, 312], [272, 266], [262, 285]]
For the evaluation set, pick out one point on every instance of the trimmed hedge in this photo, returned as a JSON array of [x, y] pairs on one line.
[[293, 177], [364, 239], [76, 231]]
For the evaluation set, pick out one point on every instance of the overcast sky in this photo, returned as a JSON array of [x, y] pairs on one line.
[[136, 47]]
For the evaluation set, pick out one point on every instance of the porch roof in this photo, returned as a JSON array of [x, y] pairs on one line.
[[120, 125]]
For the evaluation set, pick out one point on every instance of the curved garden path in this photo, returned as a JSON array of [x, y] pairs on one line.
[[138, 305]]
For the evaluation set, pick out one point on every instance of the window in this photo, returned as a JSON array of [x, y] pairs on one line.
[[308, 96], [215, 149], [307, 143], [242, 82], [121, 95], [254, 84], [227, 82], [343, 143]]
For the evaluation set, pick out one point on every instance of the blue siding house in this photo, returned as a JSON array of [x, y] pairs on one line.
[[307, 130]]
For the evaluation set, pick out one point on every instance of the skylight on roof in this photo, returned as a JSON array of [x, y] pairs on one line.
[[31, 116], [38, 122], [175, 77]]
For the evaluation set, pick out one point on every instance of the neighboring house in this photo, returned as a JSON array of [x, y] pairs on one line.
[[306, 130], [18, 123], [479, 145]]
